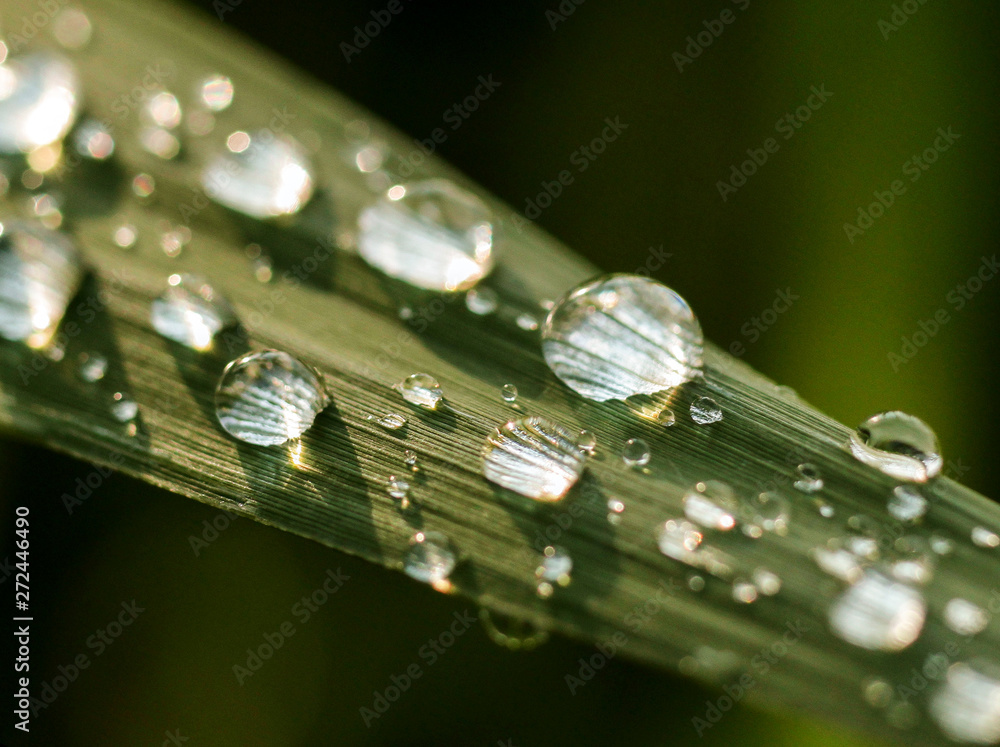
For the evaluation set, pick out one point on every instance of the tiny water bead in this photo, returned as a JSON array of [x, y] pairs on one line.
[[711, 504], [906, 504], [93, 140], [967, 706], [163, 110], [422, 390], [40, 272], [216, 93], [482, 301], [744, 591], [555, 568], [526, 322], [430, 559], [534, 457], [399, 488], [878, 613], [125, 235], [622, 335], [615, 510], [666, 418], [430, 234], [72, 29], [410, 459], [808, 479], [983, 537], [123, 407], [705, 410], [391, 421], [143, 186], [508, 392], [262, 176], [965, 617], [765, 512], [899, 445], [191, 312], [268, 398], [767, 583], [39, 101], [683, 541], [92, 367], [587, 441], [636, 453]]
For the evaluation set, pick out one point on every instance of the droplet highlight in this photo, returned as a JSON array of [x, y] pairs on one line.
[[533, 457], [899, 445], [191, 312]]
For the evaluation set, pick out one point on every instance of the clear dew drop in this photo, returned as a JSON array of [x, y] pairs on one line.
[[587, 441], [430, 559], [260, 175], [508, 393], [123, 407], [636, 453], [983, 537], [826, 510], [705, 410], [422, 390], [268, 398], [163, 110], [93, 140], [125, 236], [391, 421], [965, 617], [143, 186], [767, 583], [482, 301], [666, 418], [92, 367], [556, 566], [913, 561], [512, 633], [39, 101], [744, 591], [839, 562], [430, 234], [216, 93], [622, 335], [410, 459], [526, 322], [160, 142], [807, 478], [191, 312], [906, 504], [683, 541], [40, 272], [899, 445], [534, 457], [398, 487], [967, 706], [711, 504], [878, 613], [765, 512], [941, 545]]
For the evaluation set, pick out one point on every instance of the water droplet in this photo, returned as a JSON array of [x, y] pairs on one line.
[[264, 177], [808, 478], [964, 617], [533, 457], [422, 390], [508, 392], [392, 421], [705, 410], [216, 92], [765, 512], [878, 613], [123, 407], [160, 142], [143, 186], [587, 441], [767, 583], [696, 583], [906, 504], [683, 541], [482, 301], [40, 272], [647, 341], [914, 562], [526, 322], [164, 110], [826, 510], [430, 234], [268, 398], [712, 504], [398, 488], [878, 693], [556, 566], [93, 140], [410, 459], [967, 706], [191, 312], [92, 367], [839, 563], [636, 453], [744, 591], [430, 559], [984, 537], [615, 510], [666, 418], [125, 235], [46, 208], [512, 633], [72, 29], [941, 545], [39, 101], [369, 159], [899, 445]]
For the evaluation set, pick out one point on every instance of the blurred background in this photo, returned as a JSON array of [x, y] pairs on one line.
[[693, 107]]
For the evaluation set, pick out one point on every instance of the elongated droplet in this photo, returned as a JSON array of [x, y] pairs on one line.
[[683, 541], [984, 537], [808, 479], [40, 272], [268, 398], [261, 176], [430, 234], [39, 101], [622, 335], [422, 390], [636, 453], [899, 445], [191, 312], [534, 457], [712, 504], [967, 706], [878, 613], [430, 559], [705, 410], [906, 504], [391, 421]]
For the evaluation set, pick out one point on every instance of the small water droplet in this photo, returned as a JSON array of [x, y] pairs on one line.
[[967, 706], [712, 504], [527, 322], [482, 301], [647, 341], [636, 453], [191, 312], [430, 559], [92, 367], [268, 398], [398, 487], [164, 110], [160, 142], [878, 693], [765, 512], [143, 186], [39, 101], [696, 583], [839, 563], [878, 614], [705, 410], [72, 29], [93, 140], [392, 421], [556, 566], [587, 441], [767, 583], [984, 537], [666, 418], [914, 562], [123, 407], [684, 541], [615, 510], [743, 591], [964, 617], [125, 235], [216, 92], [422, 390], [906, 504], [533, 457], [808, 478], [512, 633], [508, 392], [941, 545], [410, 459], [430, 234], [899, 445]]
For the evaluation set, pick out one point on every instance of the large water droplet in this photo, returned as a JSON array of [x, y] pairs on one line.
[[878, 613], [430, 234], [899, 445], [268, 398], [191, 312], [39, 100], [712, 504], [430, 559], [422, 390], [508, 392], [534, 457], [40, 272], [622, 335], [967, 706], [965, 617], [683, 541], [262, 176], [636, 453], [906, 504], [705, 410]]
